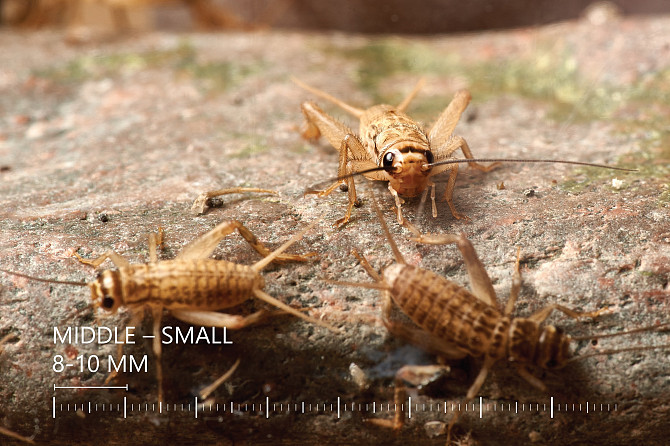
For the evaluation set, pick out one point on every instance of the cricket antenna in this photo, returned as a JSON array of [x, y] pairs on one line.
[[621, 350], [39, 279], [313, 189], [527, 160]]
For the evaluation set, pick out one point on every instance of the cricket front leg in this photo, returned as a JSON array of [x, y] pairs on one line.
[[353, 158], [444, 152]]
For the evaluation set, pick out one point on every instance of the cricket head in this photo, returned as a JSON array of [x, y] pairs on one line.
[[408, 168], [106, 291]]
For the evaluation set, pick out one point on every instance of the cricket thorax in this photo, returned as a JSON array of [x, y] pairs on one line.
[[544, 346], [204, 284]]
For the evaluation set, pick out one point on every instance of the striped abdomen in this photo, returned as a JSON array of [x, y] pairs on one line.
[[448, 311], [453, 314], [204, 284]]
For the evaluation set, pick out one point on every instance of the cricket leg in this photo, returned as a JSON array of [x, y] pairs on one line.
[[207, 391], [398, 203], [204, 200], [480, 282], [417, 376], [203, 246], [158, 349], [260, 294], [351, 159], [445, 124], [472, 392], [544, 313], [444, 152], [412, 94], [516, 285], [16, 436], [351, 149], [116, 259], [135, 321], [222, 320], [155, 240], [357, 112]]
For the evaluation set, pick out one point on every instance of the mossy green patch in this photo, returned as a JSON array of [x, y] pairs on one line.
[[251, 145], [182, 59], [664, 197], [544, 75], [548, 74]]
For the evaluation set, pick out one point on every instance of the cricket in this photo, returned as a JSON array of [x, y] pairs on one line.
[[454, 322], [392, 147], [192, 287]]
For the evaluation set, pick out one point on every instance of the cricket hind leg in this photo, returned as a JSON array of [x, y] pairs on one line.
[[203, 246], [204, 200], [216, 319], [355, 111], [480, 282], [411, 95]]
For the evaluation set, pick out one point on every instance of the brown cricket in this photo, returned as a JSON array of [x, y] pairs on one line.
[[455, 322], [191, 287], [392, 147]]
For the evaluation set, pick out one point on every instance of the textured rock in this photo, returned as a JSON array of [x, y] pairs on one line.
[[99, 145]]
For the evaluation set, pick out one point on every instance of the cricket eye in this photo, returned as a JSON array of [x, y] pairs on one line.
[[107, 303], [429, 157], [551, 364], [388, 161]]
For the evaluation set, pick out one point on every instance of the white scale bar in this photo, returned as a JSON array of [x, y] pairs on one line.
[[90, 387]]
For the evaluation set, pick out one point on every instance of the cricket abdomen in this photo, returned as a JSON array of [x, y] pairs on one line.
[[204, 284], [449, 311]]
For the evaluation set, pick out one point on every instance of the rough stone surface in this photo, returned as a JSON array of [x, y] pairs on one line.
[[101, 144]]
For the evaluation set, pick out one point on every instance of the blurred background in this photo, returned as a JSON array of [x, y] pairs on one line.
[[97, 17]]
